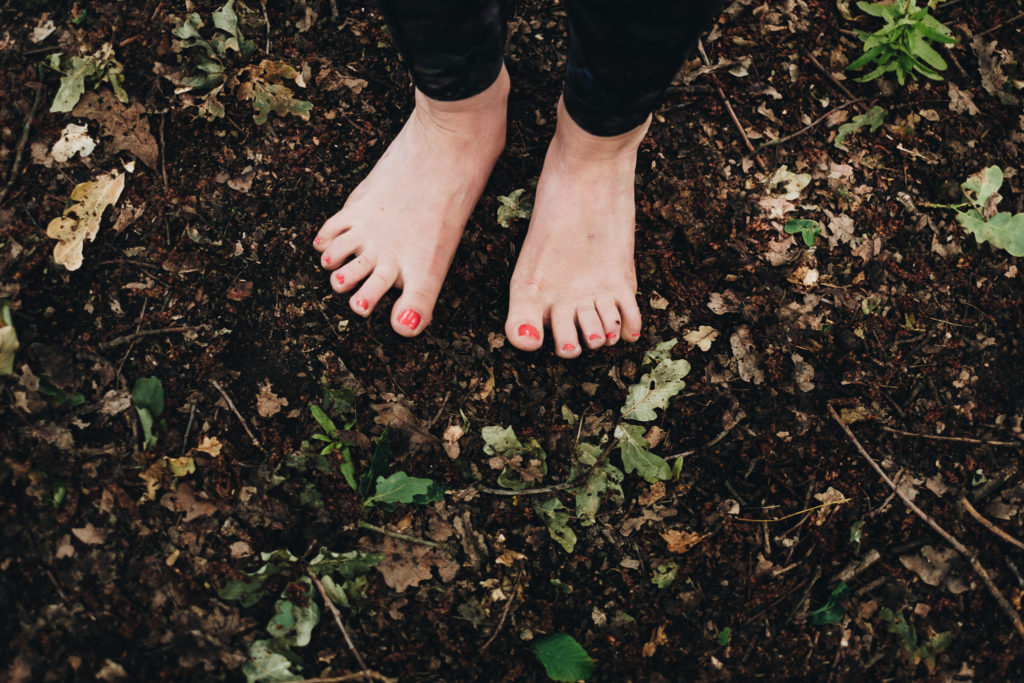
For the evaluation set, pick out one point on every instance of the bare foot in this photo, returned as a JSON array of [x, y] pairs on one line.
[[575, 272], [401, 225]]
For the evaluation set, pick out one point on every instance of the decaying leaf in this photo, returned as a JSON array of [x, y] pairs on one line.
[[183, 500], [403, 565], [787, 184], [263, 86], [450, 438], [934, 567], [702, 337], [398, 416], [90, 535], [679, 541], [522, 464], [268, 403], [74, 139], [654, 390], [81, 220], [127, 127], [556, 519], [748, 360], [95, 68]]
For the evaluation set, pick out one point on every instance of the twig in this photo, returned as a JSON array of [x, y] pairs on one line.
[[999, 26], [966, 505], [21, 144], [968, 554], [231, 404], [188, 428], [955, 439], [341, 626], [131, 342], [401, 536], [709, 444], [728, 108], [128, 338], [163, 152], [266, 19], [812, 124], [437, 415], [554, 487], [504, 613], [825, 72], [794, 514]]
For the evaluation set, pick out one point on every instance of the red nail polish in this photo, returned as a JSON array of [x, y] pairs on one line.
[[568, 347], [340, 278], [363, 304], [594, 337], [611, 335], [316, 240], [529, 331], [409, 318], [635, 335], [327, 260]]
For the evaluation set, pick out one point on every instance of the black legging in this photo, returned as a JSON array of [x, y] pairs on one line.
[[622, 56]]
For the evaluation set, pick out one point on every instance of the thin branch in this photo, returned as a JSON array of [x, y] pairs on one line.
[[709, 444], [999, 26], [504, 613], [825, 72], [966, 505], [955, 439], [812, 124], [728, 108], [401, 536], [128, 338], [968, 554], [341, 625], [231, 405], [21, 144], [266, 19], [794, 514], [554, 487]]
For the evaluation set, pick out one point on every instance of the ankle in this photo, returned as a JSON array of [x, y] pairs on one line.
[[577, 142], [486, 104]]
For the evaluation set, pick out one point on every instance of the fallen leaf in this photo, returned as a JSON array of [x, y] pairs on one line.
[[654, 494], [240, 549], [702, 337], [679, 541], [240, 290], [651, 646], [405, 564], [748, 360], [803, 373], [127, 127], [90, 198], [268, 403], [450, 440], [658, 302], [787, 184], [74, 139], [210, 445], [90, 535], [183, 500], [401, 418], [43, 29], [933, 566], [64, 547]]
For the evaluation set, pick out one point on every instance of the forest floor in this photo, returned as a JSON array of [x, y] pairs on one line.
[[751, 540]]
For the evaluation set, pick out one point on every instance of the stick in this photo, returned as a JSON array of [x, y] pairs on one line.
[[554, 487], [968, 554], [401, 536], [728, 108], [21, 144], [163, 153], [504, 613], [825, 72], [231, 404], [966, 505], [266, 19], [999, 26], [709, 444], [955, 439], [812, 124], [341, 626], [128, 338]]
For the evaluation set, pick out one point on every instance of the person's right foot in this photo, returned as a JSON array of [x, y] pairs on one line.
[[400, 227]]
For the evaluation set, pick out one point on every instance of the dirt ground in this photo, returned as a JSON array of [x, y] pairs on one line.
[[115, 554]]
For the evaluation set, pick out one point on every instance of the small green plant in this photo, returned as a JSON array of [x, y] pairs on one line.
[[563, 658], [807, 229], [980, 217], [79, 72], [903, 45], [832, 612], [873, 119], [148, 399], [513, 206], [917, 652]]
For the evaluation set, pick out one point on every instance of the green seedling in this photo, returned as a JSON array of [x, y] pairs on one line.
[[832, 612], [903, 45], [917, 652], [807, 229], [148, 399], [563, 658], [724, 637], [334, 443], [980, 217], [873, 119]]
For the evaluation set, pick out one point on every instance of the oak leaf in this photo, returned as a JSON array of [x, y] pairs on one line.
[[81, 220]]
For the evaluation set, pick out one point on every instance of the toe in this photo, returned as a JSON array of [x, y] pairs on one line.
[[631, 320], [611, 319], [335, 253], [524, 327], [590, 325], [563, 329], [351, 274], [373, 288], [332, 227], [413, 311]]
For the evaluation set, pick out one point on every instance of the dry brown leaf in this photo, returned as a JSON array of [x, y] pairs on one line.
[[702, 337], [90, 535], [64, 547], [183, 500], [81, 220], [451, 437], [126, 126], [268, 403], [657, 638], [748, 360], [679, 541], [401, 418], [240, 290], [654, 494], [210, 445], [933, 566], [407, 564]]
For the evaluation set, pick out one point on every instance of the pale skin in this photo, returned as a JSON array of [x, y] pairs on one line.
[[575, 276]]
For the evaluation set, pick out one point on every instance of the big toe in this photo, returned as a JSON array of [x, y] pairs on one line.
[[524, 327], [412, 312]]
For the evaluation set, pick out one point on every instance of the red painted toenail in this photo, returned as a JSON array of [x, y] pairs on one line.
[[327, 260], [611, 335], [340, 278], [568, 347], [529, 331], [363, 304], [635, 335], [409, 318], [594, 337], [316, 240]]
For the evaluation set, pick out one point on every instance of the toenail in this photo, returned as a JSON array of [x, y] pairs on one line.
[[568, 347], [594, 337], [611, 335], [635, 335], [316, 240], [529, 331], [363, 304], [409, 318], [327, 260], [340, 278]]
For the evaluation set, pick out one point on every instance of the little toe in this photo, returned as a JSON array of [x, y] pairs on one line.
[[373, 288], [351, 274], [590, 325], [631, 320], [611, 319], [332, 227], [563, 329]]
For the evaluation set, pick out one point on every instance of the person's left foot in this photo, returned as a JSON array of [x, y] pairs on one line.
[[575, 271]]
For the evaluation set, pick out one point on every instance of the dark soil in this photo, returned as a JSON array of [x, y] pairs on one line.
[[910, 325]]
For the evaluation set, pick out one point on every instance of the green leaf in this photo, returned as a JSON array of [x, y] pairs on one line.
[[502, 441], [1004, 230], [563, 658], [148, 399], [603, 480], [249, 591], [265, 665], [556, 519], [659, 353], [832, 611], [294, 623], [8, 339], [513, 206], [325, 422], [399, 488], [664, 574], [636, 454], [983, 187], [349, 564], [378, 464], [655, 389], [873, 118], [724, 637], [808, 229]]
